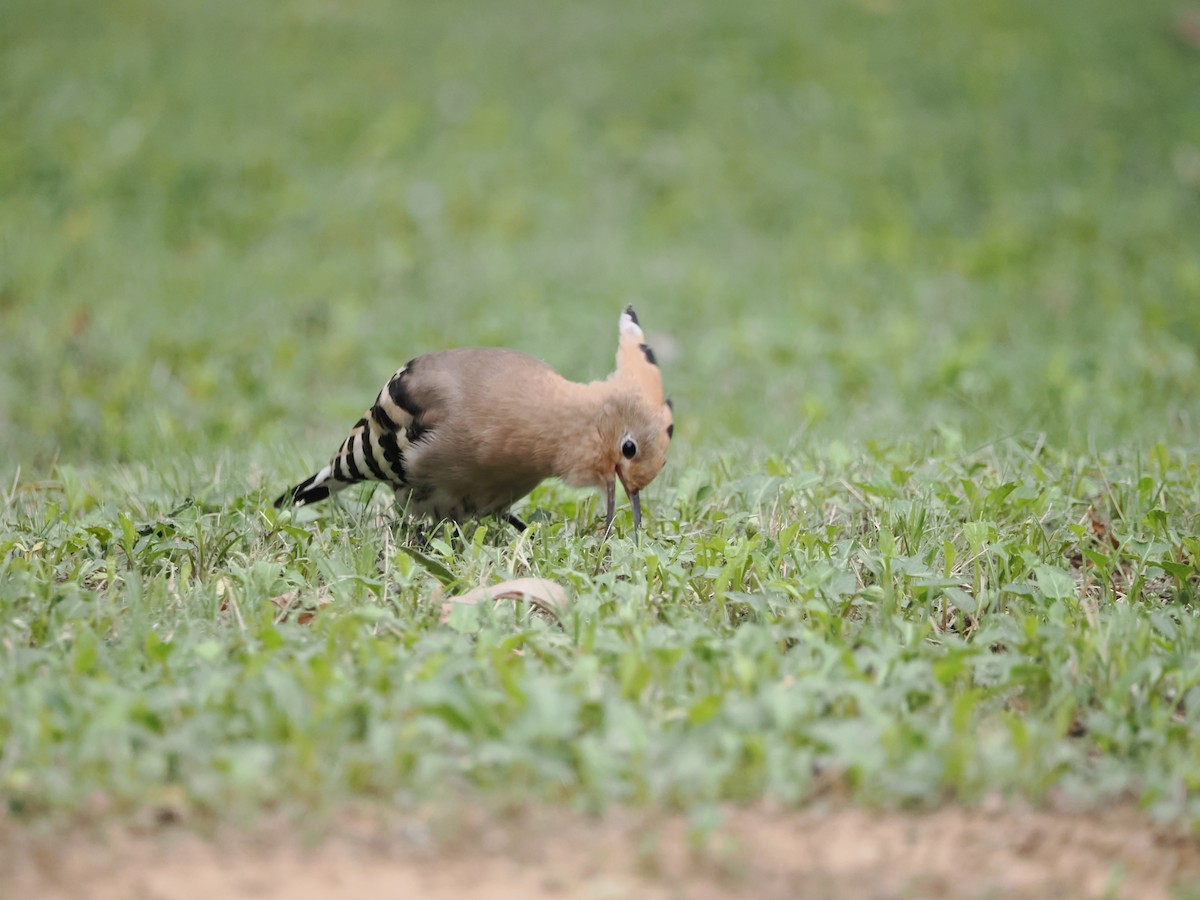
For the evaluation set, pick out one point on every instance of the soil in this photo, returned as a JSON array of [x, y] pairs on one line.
[[838, 851]]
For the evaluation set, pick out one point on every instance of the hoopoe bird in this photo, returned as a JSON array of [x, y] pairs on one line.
[[466, 433]]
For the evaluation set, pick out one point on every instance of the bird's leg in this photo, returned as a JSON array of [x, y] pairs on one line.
[[515, 522]]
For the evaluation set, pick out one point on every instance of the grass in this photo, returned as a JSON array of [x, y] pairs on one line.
[[923, 282]]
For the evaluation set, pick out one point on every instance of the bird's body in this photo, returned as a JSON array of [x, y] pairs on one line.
[[465, 433]]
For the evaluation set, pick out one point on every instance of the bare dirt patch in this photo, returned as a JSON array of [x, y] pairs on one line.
[[840, 852]]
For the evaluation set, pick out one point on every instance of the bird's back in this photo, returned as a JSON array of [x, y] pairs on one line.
[[485, 429]]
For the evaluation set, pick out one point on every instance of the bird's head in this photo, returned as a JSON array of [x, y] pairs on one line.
[[637, 423]]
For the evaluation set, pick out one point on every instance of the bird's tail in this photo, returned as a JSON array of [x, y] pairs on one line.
[[352, 464], [375, 449], [312, 489]]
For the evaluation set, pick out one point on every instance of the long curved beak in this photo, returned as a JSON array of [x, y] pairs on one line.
[[634, 500], [610, 497]]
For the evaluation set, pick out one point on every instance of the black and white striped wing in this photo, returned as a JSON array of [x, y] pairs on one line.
[[374, 450]]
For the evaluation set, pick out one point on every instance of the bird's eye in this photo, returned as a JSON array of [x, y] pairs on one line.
[[628, 448]]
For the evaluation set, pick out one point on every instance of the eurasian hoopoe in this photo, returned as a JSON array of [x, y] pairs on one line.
[[468, 432]]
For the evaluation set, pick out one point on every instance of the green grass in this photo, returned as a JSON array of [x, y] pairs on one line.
[[923, 281]]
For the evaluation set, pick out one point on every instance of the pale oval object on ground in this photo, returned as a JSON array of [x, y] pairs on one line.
[[547, 596]]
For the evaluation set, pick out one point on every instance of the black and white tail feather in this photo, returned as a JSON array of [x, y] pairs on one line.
[[374, 450]]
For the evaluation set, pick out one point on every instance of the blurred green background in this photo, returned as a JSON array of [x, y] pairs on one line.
[[224, 224]]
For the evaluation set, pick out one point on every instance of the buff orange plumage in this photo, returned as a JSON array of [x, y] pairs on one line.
[[465, 433]]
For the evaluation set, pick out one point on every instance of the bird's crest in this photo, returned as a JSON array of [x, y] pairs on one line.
[[636, 365]]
